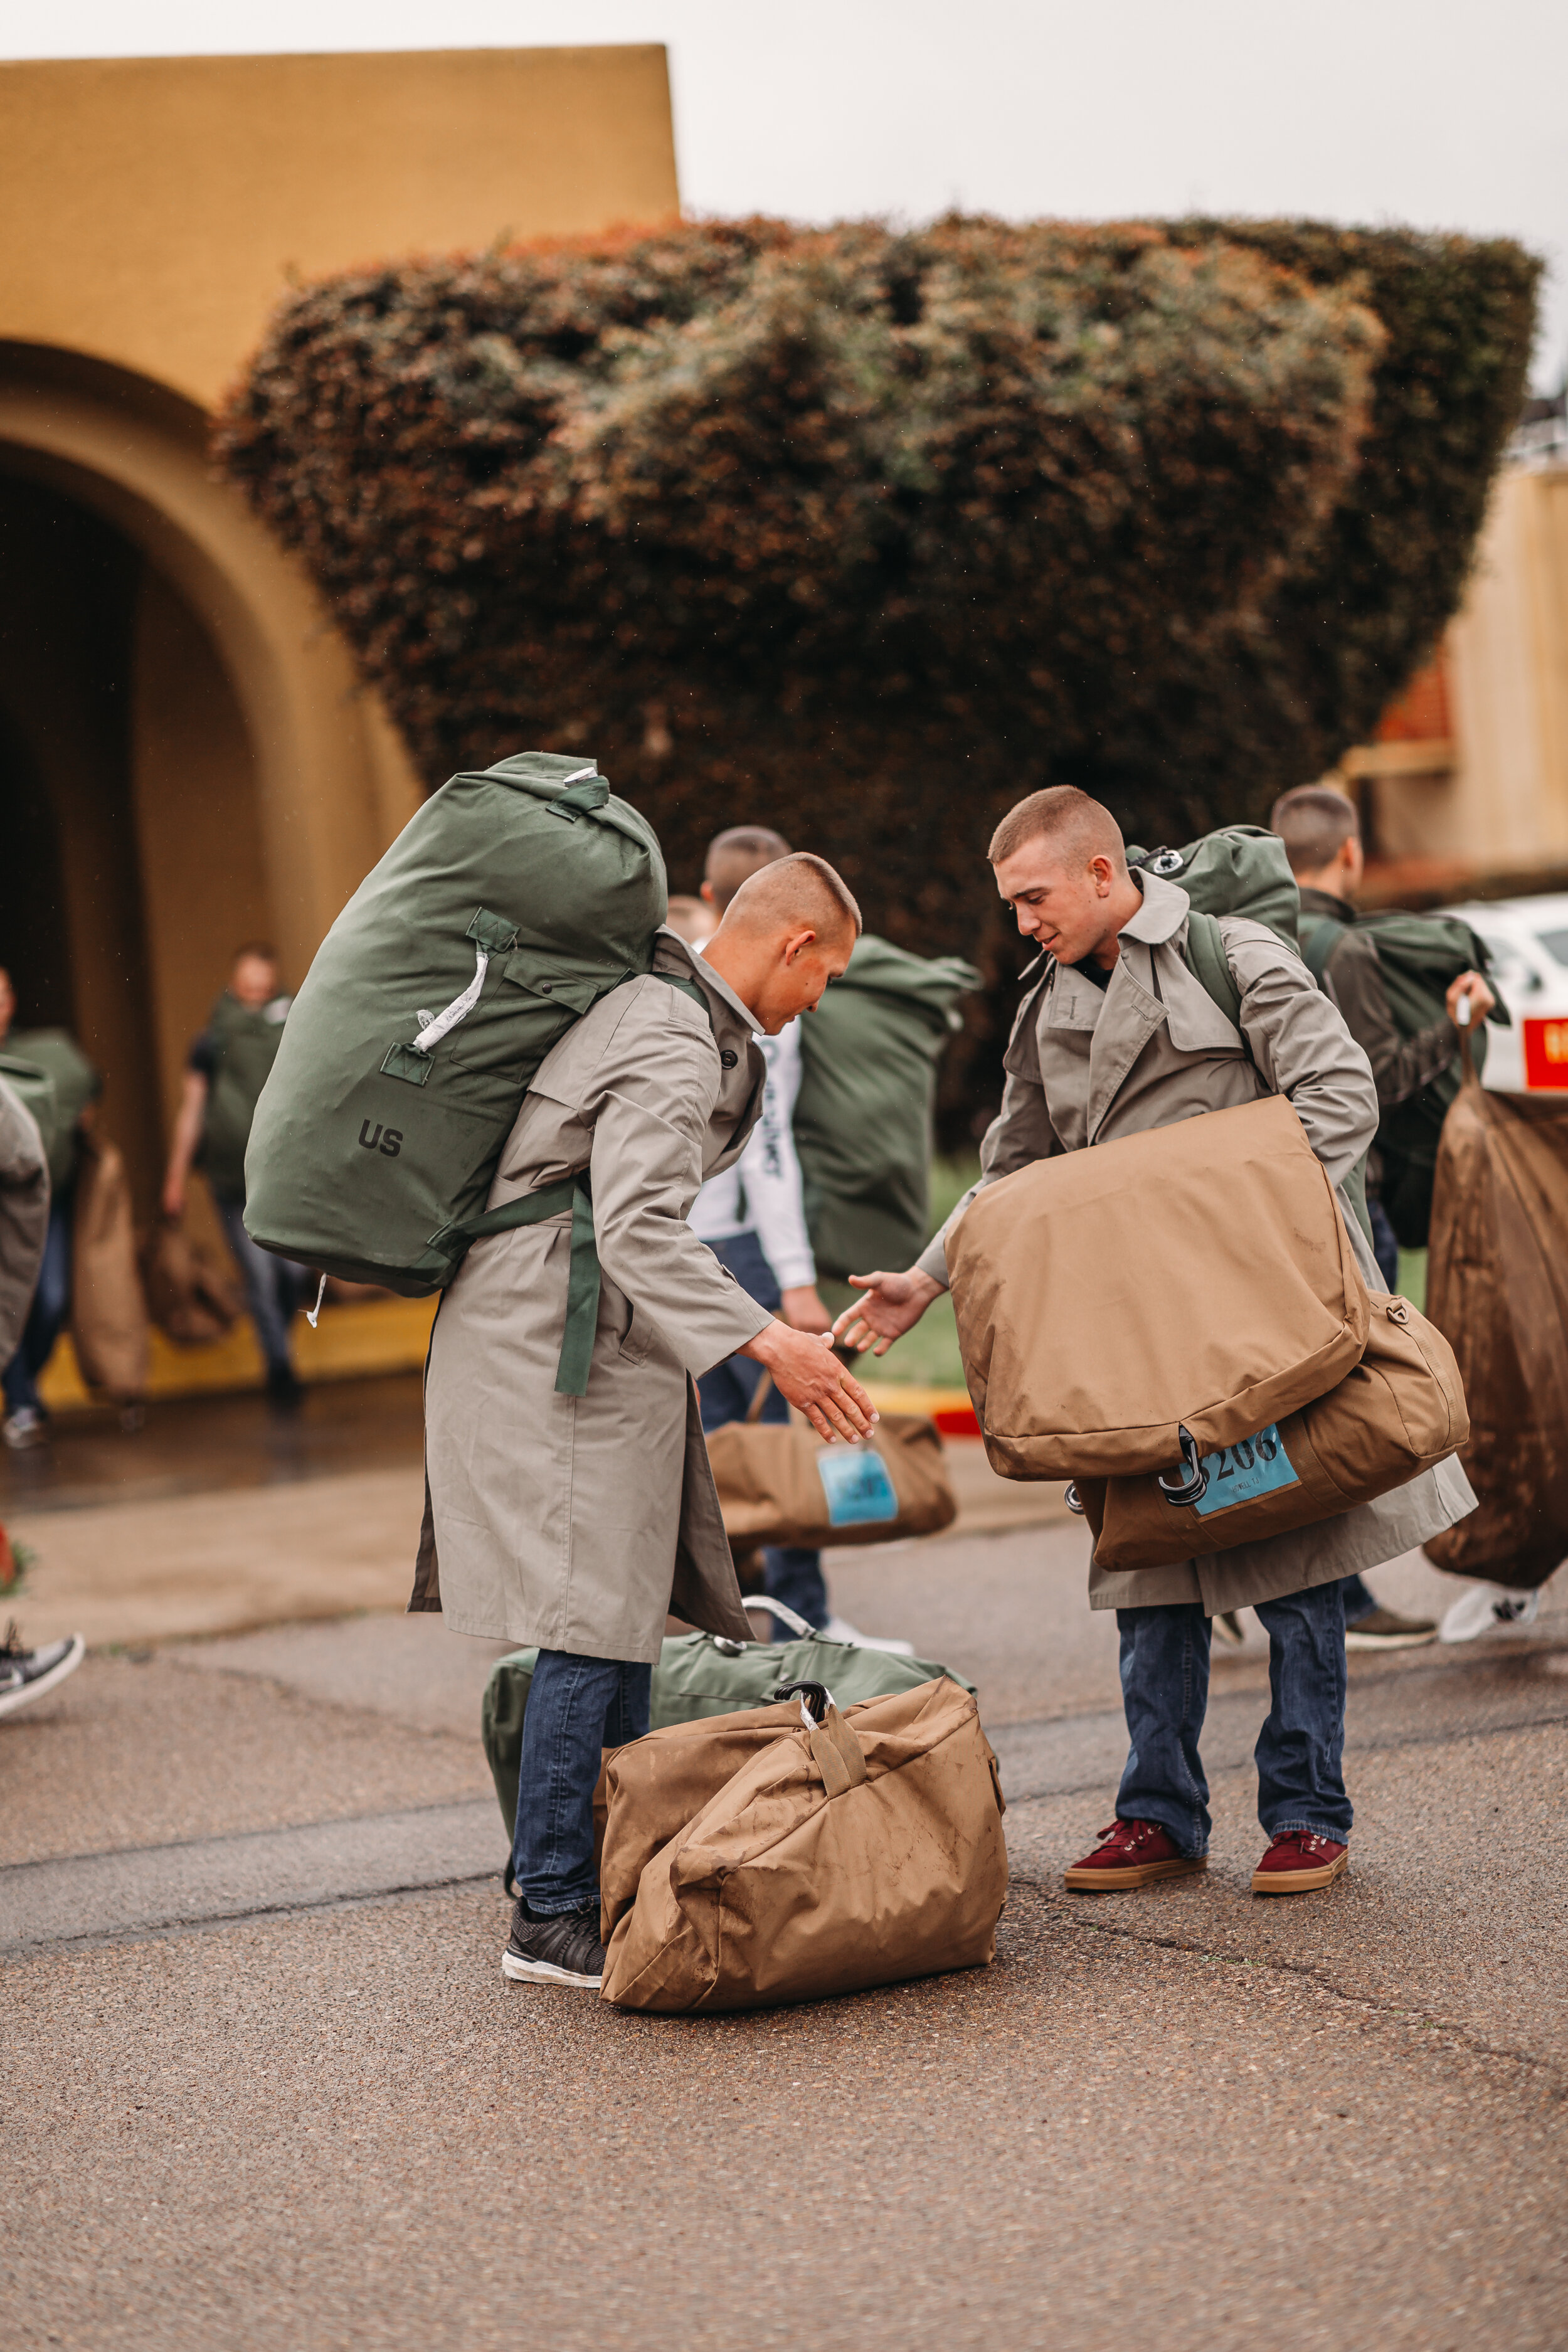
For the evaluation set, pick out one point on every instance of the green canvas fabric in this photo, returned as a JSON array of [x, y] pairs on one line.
[[698, 1675], [77, 1083], [868, 1089], [1419, 956], [32, 1084], [514, 900], [245, 1043]]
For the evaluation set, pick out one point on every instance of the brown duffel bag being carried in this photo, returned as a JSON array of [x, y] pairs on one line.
[[779, 1483], [842, 1852], [1195, 1278], [1400, 1411]]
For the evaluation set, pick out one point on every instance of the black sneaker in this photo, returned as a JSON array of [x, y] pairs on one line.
[[27, 1675], [564, 1949]]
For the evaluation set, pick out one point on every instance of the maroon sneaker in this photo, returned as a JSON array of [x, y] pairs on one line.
[[1297, 1860], [1131, 1854]]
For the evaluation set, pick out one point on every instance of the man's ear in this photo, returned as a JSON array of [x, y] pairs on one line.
[[797, 944], [705, 890]]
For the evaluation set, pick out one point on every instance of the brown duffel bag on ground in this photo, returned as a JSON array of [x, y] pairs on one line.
[[779, 1483], [108, 1311], [1198, 1276], [1497, 1284], [847, 1851], [1401, 1411]]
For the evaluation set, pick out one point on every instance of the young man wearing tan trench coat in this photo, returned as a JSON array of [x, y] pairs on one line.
[[577, 1522], [1115, 1035]]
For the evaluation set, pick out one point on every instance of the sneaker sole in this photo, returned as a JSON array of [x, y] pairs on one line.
[[1355, 1641], [44, 1683], [1111, 1881], [1298, 1882], [518, 1971]]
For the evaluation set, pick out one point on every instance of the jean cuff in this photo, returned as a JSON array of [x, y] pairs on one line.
[[1306, 1828], [559, 1910]]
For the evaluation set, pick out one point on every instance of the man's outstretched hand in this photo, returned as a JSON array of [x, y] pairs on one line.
[[892, 1305], [809, 1375]]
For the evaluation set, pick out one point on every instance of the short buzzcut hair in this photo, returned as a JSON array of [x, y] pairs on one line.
[[735, 856], [1314, 822], [1072, 821], [798, 884], [257, 951]]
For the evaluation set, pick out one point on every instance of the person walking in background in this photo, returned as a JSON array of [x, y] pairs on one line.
[[752, 1217], [77, 1085], [24, 1674], [225, 1070], [1321, 834]]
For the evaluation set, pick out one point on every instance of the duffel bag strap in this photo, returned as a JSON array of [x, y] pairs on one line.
[[760, 1396], [582, 1279]]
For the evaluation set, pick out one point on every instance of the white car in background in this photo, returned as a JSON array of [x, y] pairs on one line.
[[1527, 940]]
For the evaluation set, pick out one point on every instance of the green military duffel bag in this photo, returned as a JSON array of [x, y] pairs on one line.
[[245, 1041], [863, 1116], [702, 1674], [503, 912]]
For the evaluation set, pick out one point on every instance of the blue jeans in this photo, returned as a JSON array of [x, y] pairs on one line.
[[46, 1316], [1299, 1751], [791, 1573], [273, 1285], [576, 1707]]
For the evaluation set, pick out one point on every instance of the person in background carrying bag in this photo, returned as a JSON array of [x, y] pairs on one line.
[[226, 1069], [77, 1085], [1116, 1035], [1321, 834], [752, 1218], [570, 1503]]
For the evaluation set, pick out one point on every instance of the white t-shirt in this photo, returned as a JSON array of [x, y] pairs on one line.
[[761, 1193]]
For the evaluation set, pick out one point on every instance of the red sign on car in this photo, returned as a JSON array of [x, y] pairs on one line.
[[1546, 1054]]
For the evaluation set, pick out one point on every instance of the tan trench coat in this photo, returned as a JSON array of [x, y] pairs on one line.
[[1086, 1065], [577, 1522]]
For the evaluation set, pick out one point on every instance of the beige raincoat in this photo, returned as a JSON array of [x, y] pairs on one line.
[[577, 1522], [1087, 1065]]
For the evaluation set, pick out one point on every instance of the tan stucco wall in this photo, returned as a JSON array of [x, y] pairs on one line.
[[1504, 802], [156, 208]]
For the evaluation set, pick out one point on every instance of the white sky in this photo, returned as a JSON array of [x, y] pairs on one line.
[[1445, 113]]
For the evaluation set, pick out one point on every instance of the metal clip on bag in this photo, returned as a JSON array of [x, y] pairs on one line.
[[779, 1483], [1401, 1411], [1198, 1277]]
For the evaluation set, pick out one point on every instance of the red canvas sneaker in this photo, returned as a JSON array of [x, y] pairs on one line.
[[1131, 1854], [1297, 1860]]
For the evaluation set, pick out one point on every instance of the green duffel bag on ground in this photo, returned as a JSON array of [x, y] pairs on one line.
[[512, 901], [702, 1675], [863, 1116]]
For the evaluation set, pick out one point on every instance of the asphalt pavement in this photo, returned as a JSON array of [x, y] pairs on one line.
[[263, 2085]]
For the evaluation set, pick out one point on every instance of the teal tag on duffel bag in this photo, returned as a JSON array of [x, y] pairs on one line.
[[857, 1488], [1241, 1472]]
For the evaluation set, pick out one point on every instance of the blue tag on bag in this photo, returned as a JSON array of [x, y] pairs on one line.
[[1241, 1472], [857, 1488]]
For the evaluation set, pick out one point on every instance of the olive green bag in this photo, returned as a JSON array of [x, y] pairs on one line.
[[702, 1675], [506, 907], [245, 1043], [863, 1116]]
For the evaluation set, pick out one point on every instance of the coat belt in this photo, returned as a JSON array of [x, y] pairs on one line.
[[571, 1192]]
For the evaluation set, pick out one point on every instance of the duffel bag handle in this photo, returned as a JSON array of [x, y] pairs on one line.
[[1188, 1483], [790, 1617]]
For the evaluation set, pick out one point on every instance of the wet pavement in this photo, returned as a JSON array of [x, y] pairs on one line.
[[263, 2084]]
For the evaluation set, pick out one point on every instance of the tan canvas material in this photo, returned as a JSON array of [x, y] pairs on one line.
[[1198, 1277], [108, 1314], [1399, 1412], [1497, 1284], [862, 1850], [189, 1298], [778, 1483]]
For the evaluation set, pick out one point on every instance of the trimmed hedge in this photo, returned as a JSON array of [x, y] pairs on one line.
[[863, 533]]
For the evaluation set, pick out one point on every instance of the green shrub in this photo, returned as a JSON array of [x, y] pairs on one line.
[[862, 533]]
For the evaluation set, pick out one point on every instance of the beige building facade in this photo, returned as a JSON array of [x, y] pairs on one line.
[[188, 759], [1468, 781]]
